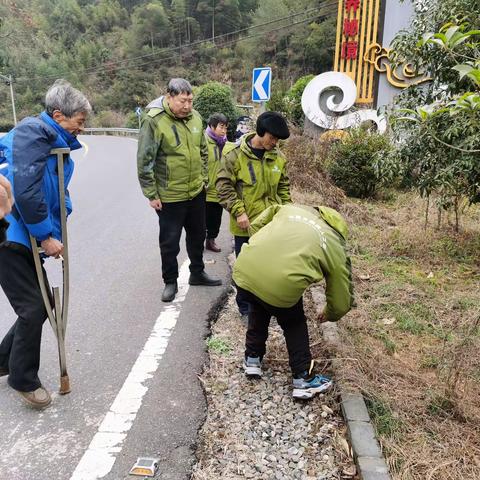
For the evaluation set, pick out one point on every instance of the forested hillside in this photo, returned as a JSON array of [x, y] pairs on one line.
[[122, 52]]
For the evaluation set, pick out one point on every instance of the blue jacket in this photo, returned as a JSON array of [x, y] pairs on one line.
[[32, 171]]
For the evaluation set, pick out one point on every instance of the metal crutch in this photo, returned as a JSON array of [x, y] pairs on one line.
[[58, 315]]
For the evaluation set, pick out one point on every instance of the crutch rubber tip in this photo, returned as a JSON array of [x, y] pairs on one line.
[[64, 385]]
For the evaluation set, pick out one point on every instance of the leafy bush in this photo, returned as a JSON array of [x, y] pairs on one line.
[[293, 100], [436, 130], [352, 163], [215, 97], [108, 119], [289, 102], [277, 98]]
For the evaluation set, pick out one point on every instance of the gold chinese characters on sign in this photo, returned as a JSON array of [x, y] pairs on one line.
[[357, 28], [359, 55]]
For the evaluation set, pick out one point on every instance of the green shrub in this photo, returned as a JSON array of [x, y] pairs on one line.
[[215, 97], [293, 100], [352, 162]]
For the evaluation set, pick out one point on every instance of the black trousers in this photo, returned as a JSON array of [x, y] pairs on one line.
[[293, 323], [20, 348], [241, 302], [213, 219], [173, 217]]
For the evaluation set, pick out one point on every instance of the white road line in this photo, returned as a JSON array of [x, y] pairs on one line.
[[100, 456]]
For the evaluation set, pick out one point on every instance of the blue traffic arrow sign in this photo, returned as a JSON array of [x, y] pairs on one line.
[[261, 84]]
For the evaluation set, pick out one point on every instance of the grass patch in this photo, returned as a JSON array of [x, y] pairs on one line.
[[218, 345], [430, 361], [390, 345], [385, 420], [414, 318], [458, 249], [466, 303], [440, 405]]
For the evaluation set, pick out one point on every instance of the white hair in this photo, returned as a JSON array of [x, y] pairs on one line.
[[62, 96]]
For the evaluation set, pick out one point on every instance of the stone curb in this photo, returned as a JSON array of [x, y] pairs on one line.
[[366, 451]]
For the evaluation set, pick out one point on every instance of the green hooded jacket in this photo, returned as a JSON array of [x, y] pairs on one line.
[[292, 247], [246, 184], [214, 157], [172, 154]]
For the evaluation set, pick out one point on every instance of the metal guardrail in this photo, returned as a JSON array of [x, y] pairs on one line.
[[125, 132]]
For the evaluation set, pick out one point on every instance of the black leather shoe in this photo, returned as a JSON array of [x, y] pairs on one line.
[[203, 279], [169, 292]]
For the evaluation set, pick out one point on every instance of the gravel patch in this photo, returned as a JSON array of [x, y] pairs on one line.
[[254, 428]]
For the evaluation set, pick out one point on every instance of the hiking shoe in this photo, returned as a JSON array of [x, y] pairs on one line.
[[252, 366], [203, 278], [306, 388], [38, 399], [169, 292]]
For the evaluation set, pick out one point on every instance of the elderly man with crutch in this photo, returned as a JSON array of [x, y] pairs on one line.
[[39, 169]]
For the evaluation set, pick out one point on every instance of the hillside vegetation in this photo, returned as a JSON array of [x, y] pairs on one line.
[[122, 53]]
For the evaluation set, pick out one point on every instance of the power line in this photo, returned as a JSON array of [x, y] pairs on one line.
[[230, 42], [193, 45], [172, 49]]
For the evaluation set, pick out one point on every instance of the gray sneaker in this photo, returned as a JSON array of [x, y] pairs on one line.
[[306, 389], [252, 366]]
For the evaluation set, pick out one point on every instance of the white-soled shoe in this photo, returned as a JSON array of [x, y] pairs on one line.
[[252, 366]]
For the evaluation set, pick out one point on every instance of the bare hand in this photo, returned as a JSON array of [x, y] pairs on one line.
[[156, 204], [243, 222], [6, 199], [52, 247]]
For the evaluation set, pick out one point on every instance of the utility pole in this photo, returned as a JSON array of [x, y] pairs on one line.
[[213, 22], [9, 81]]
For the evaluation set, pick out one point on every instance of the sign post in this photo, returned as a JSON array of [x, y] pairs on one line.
[[261, 86], [138, 112]]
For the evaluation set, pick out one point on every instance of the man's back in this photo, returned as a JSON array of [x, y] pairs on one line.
[[292, 251]]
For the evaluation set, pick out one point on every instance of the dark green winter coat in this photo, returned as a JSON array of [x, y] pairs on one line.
[[172, 155]]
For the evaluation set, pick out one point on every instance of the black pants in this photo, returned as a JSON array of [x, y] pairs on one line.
[[293, 323], [173, 217], [20, 349], [213, 219], [241, 302]]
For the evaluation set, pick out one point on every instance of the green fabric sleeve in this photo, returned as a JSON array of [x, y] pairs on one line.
[[283, 188], [339, 289], [225, 185], [265, 217], [148, 145]]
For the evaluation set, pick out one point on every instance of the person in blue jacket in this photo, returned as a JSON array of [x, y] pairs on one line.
[[6, 202], [32, 173]]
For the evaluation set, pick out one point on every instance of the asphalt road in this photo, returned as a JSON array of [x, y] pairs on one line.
[[133, 360]]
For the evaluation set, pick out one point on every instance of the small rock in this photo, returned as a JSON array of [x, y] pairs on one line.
[[327, 409], [292, 451]]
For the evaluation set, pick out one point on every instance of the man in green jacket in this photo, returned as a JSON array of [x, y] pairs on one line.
[[172, 169], [292, 247], [252, 177]]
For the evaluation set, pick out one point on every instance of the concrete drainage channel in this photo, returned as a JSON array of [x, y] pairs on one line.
[[366, 451]]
